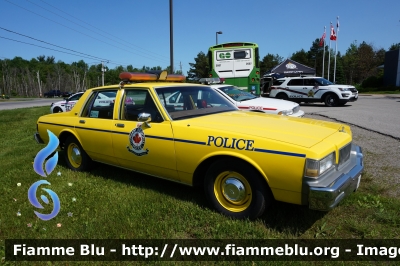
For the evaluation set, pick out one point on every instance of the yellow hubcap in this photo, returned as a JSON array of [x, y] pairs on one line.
[[232, 191], [74, 155]]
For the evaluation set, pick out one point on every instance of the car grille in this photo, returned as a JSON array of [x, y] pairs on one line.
[[296, 109], [344, 154], [353, 89]]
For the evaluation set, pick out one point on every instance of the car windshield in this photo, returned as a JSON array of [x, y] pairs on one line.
[[323, 82], [183, 102], [236, 94]]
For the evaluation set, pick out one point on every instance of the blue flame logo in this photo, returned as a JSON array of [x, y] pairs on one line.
[[49, 166], [32, 198], [44, 153]]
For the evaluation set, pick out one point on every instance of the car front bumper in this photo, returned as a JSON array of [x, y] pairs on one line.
[[347, 181], [354, 97], [38, 138]]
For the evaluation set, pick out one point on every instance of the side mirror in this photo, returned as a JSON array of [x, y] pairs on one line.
[[145, 118]]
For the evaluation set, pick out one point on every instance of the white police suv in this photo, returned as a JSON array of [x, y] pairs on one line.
[[313, 89]]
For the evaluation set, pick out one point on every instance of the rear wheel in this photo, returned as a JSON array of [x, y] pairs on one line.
[[331, 100], [282, 96], [237, 190], [76, 158]]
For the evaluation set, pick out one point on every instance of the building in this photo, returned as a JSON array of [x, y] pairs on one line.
[[391, 75]]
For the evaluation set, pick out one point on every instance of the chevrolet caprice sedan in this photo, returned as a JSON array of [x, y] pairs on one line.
[[243, 160]]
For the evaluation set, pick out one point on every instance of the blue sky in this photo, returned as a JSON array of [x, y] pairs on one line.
[[138, 32]]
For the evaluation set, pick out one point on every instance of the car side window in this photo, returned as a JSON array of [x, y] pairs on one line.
[[103, 107], [295, 82], [139, 101], [309, 82]]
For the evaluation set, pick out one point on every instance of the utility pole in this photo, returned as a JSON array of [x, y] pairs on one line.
[[40, 85], [102, 73], [171, 37], [180, 65]]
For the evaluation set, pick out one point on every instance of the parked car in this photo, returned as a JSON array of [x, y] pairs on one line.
[[243, 160], [249, 102], [66, 104], [52, 93], [246, 101], [313, 89]]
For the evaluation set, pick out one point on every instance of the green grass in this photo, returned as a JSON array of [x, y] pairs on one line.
[[113, 203]]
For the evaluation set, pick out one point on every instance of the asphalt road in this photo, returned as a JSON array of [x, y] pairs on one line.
[[376, 113], [17, 103]]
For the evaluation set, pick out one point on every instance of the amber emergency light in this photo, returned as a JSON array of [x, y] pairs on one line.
[[146, 77]]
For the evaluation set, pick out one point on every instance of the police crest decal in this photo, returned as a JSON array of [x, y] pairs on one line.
[[137, 139]]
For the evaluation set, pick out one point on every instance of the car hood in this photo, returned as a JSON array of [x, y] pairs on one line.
[[60, 102], [269, 103], [303, 132]]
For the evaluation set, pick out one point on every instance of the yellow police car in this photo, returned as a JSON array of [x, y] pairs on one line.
[[243, 160]]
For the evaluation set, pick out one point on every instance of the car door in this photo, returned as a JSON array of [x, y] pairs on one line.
[[296, 89], [311, 87], [94, 129], [146, 147]]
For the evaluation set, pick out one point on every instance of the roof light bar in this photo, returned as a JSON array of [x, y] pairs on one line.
[[143, 77], [136, 76]]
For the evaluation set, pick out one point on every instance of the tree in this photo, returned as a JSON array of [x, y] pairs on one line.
[[350, 61], [200, 68], [394, 46], [269, 61]]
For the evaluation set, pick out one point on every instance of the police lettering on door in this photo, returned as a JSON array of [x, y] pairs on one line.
[[232, 143]]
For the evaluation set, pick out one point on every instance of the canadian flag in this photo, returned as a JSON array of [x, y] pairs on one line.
[[333, 33], [322, 40]]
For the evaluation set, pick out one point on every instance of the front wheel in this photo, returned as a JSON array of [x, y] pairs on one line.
[[235, 189], [76, 158], [331, 100]]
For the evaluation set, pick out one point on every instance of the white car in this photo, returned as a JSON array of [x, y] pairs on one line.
[[66, 104], [313, 89], [103, 99], [249, 102], [246, 101]]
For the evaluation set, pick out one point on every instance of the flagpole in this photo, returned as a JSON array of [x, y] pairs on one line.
[[337, 35], [323, 56], [329, 54]]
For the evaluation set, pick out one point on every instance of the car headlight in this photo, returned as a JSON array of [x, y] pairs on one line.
[[315, 168], [285, 112], [343, 89]]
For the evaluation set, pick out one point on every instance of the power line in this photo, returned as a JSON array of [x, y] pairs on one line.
[[44, 47], [79, 31], [62, 11], [95, 57]]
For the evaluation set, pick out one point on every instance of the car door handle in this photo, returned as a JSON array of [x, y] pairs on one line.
[[82, 121], [119, 125]]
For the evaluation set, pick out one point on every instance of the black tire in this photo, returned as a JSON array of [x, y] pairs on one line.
[[331, 100], [57, 110], [76, 158], [282, 96], [222, 182]]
